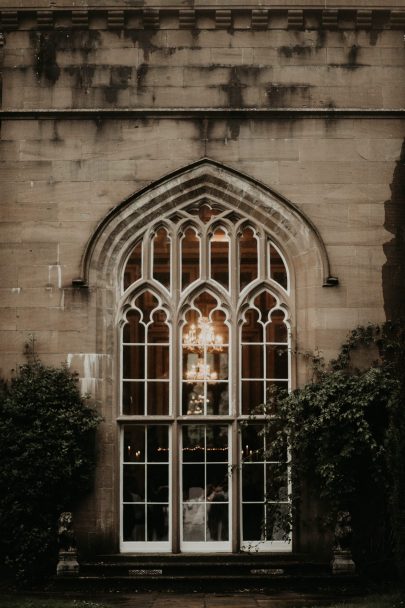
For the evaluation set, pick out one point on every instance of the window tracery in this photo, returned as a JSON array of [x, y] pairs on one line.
[[205, 334]]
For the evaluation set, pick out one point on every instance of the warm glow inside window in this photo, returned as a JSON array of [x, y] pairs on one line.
[[204, 335]]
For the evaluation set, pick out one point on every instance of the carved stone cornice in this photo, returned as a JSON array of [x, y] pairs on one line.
[[250, 17]]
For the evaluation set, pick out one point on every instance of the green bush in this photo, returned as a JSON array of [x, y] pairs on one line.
[[346, 432], [47, 459]]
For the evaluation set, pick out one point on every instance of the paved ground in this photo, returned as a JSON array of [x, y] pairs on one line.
[[217, 601], [246, 599]]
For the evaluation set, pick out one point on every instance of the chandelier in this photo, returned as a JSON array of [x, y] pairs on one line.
[[202, 336], [201, 371]]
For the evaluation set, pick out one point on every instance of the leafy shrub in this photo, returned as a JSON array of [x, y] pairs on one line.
[[47, 460], [346, 432]]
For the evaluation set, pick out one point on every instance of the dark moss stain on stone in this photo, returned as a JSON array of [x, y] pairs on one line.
[[45, 45], [195, 33], [296, 50], [141, 72], [110, 94], [393, 271], [280, 95], [56, 138], [352, 62], [320, 38], [234, 89], [233, 127], [144, 40], [240, 77], [352, 57], [120, 77], [83, 75], [374, 34], [202, 126]]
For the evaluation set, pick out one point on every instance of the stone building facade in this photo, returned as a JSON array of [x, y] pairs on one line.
[[222, 168]]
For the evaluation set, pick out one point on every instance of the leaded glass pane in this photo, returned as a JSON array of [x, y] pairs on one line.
[[248, 260], [219, 257], [161, 257], [190, 257], [133, 269]]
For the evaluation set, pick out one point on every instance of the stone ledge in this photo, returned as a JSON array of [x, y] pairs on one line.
[[258, 18], [122, 113]]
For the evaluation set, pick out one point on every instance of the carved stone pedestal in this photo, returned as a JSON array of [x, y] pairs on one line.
[[342, 562], [67, 564]]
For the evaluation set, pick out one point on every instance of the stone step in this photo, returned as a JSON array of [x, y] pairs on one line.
[[201, 567], [208, 583]]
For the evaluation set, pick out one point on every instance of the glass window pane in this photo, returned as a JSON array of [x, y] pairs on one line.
[[218, 398], [158, 331], [206, 303], [277, 521], [193, 443], [252, 361], [221, 330], [193, 399], [134, 523], [252, 395], [146, 302], [252, 330], [157, 483], [248, 265], [252, 443], [133, 362], [253, 520], [133, 269], [218, 363], [134, 483], [217, 480], [133, 398], [158, 443], [158, 522], [158, 362], [158, 398], [277, 362], [191, 363], [161, 257], [276, 331], [217, 443], [190, 257], [278, 270], [265, 302], [275, 453], [220, 257], [281, 385], [193, 522], [253, 482], [193, 482], [276, 482], [217, 518], [134, 330], [134, 444]]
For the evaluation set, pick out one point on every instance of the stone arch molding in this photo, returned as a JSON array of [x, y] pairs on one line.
[[204, 181]]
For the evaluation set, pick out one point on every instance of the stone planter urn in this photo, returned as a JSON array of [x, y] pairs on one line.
[[67, 564], [342, 561]]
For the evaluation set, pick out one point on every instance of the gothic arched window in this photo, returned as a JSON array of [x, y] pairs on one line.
[[204, 334]]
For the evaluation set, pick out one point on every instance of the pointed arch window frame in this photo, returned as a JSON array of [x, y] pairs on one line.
[[110, 244]]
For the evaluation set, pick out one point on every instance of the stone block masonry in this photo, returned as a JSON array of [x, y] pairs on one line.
[[101, 102]]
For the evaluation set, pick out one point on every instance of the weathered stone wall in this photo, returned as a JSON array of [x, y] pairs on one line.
[[302, 91], [195, 68]]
